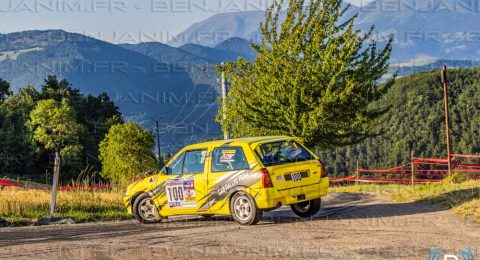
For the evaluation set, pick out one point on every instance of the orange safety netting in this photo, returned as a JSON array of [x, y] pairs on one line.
[[419, 174]]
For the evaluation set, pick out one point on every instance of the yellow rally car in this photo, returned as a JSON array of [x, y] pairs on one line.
[[238, 177]]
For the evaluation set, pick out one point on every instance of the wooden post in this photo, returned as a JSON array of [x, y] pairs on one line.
[[412, 168], [358, 175], [447, 122], [56, 175]]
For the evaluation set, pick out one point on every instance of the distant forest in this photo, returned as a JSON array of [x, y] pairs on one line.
[[21, 156], [415, 122]]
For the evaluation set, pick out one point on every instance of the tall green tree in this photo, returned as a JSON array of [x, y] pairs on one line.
[[315, 76], [127, 151], [96, 113], [55, 127], [17, 149], [54, 88], [5, 90]]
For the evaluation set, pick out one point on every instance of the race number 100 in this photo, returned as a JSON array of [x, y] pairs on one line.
[[175, 193]]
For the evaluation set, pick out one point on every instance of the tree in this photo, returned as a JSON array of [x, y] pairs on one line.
[[18, 148], [5, 90], [314, 77], [126, 151], [53, 88], [96, 113], [54, 126]]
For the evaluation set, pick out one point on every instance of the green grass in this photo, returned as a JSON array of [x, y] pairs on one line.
[[463, 197], [21, 207]]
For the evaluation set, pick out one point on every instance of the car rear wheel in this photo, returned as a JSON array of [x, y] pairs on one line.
[[244, 210], [307, 209], [145, 210]]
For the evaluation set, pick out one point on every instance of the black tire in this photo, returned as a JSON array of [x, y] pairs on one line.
[[144, 210], [244, 209], [308, 208]]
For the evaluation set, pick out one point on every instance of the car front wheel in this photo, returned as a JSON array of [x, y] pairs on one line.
[[244, 210], [307, 209], [145, 210]]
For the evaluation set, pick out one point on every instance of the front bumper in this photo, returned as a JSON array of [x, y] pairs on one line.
[[127, 201]]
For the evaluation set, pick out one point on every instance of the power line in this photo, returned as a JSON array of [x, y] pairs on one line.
[[196, 106], [189, 96]]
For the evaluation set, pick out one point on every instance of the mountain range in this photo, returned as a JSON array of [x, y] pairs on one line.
[[422, 29]]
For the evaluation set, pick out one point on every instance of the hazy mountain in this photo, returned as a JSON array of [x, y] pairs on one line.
[[238, 46], [422, 29], [228, 50], [221, 27], [427, 29], [199, 69], [415, 67], [143, 87], [164, 53]]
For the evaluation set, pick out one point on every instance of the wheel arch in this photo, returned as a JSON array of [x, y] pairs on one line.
[[134, 197], [236, 190]]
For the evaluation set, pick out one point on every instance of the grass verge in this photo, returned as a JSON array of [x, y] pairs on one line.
[[463, 197], [21, 207]]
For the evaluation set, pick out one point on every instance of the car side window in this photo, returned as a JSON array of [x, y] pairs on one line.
[[194, 161], [229, 159], [177, 164]]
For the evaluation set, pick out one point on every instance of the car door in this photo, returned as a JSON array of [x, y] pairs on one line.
[[187, 183], [229, 169]]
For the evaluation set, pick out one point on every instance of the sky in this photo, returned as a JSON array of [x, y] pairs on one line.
[[117, 21], [126, 21]]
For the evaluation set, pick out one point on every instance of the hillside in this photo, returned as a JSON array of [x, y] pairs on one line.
[[164, 53], [228, 50], [416, 121], [238, 47], [143, 87]]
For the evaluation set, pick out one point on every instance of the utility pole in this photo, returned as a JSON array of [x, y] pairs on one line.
[[224, 100], [447, 122], [224, 90], [157, 124]]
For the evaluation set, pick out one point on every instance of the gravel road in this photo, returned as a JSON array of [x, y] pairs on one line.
[[350, 226]]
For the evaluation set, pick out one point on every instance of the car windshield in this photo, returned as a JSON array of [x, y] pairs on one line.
[[282, 152]]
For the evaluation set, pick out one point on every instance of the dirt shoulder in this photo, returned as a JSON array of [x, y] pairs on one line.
[[350, 226]]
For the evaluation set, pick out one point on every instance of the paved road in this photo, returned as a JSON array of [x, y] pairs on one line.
[[350, 226]]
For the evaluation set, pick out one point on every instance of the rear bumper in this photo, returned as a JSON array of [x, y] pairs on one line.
[[271, 198]]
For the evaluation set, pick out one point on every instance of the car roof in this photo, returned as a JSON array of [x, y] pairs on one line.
[[244, 140]]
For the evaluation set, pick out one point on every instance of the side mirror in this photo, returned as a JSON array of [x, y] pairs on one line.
[[167, 170]]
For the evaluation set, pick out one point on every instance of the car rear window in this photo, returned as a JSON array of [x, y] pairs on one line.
[[282, 152], [229, 159]]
